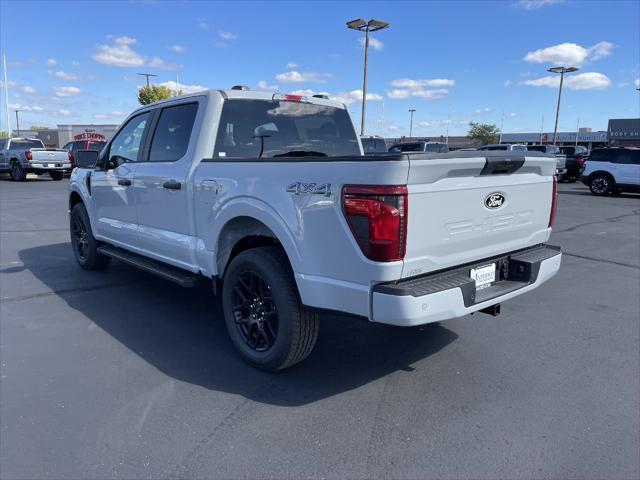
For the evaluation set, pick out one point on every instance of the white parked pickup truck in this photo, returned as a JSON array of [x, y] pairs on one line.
[[271, 197]]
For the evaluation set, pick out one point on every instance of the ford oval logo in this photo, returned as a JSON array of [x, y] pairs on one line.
[[494, 200]]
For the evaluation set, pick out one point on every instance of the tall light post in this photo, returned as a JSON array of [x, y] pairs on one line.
[[147, 75], [17, 122], [411, 110], [366, 27], [561, 71]]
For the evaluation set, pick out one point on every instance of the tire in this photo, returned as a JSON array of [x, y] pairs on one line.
[[17, 172], [83, 243], [268, 325], [601, 184], [57, 174]]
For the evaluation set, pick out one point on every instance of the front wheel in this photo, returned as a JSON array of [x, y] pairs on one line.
[[267, 324], [17, 172], [56, 175], [85, 246], [601, 185]]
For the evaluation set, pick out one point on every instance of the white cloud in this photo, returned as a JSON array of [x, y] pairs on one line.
[[177, 48], [512, 115], [482, 110], [373, 43], [75, 63], [157, 62], [25, 108], [111, 115], [637, 83], [52, 61], [399, 94], [227, 35], [569, 54], [535, 4], [355, 96], [433, 82], [508, 83], [434, 123], [66, 91], [61, 113], [186, 89], [302, 77], [120, 54], [203, 24], [63, 75], [28, 89], [581, 81], [264, 85], [10, 83], [292, 65]]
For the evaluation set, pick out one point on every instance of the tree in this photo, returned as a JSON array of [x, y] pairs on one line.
[[36, 128], [4, 134], [153, 93], [483, 132]]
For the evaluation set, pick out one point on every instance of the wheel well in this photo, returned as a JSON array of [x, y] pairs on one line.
[[73, 199], [601, 173], [239, 234]]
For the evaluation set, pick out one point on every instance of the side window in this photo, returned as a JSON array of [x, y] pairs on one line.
[[171, 138], [629, 157], [2, 144], [126, 144]]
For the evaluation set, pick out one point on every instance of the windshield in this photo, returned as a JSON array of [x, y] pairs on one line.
[[26, 144], [273, 128]]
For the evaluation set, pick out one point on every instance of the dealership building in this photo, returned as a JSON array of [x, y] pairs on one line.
[[59, 137]]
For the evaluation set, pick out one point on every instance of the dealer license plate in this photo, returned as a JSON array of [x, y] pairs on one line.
[[484, 276], [51, 165]]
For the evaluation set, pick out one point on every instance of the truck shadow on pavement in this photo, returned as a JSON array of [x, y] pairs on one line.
[[182, 333]]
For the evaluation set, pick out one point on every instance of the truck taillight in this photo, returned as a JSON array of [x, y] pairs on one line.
[[70, 156], [554, 201], [28, 155], [580, 161], [377, 216]]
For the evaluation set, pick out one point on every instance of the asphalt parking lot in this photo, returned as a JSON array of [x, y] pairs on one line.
[[118, 374]]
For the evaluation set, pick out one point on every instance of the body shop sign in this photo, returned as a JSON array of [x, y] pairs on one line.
[[90, 135]]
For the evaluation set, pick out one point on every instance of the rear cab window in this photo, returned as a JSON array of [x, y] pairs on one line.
[[279, 128], [26, 144]]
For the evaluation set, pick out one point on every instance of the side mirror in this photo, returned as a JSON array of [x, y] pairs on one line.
[[86, 158], [266, 130]]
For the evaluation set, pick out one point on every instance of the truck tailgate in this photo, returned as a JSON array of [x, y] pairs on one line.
[[467, 206], [53, 155]]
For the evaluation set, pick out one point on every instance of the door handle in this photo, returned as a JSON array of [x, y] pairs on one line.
[[172, 185], [125, 182]]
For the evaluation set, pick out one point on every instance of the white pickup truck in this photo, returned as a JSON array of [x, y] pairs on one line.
[[271, 197]]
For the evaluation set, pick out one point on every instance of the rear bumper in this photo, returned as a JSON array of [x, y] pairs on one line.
[[47, 166], [452, 293]]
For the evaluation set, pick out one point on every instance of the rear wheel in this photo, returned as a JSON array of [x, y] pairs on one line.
[[85, 246], [56, 174], [265, 319], [601, 184], [17, 172]]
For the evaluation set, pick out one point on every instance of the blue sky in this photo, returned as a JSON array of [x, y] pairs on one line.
[[76, 62]]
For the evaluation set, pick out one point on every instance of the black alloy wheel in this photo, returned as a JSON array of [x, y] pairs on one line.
[[254, 311]]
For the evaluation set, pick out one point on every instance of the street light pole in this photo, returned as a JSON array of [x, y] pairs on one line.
[[561, 71], [17, 122], [147, 75], [411, 110], [366, 27]]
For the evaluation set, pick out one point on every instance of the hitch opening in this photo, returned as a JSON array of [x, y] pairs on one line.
[[492, 310]]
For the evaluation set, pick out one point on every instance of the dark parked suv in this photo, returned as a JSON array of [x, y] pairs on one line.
[[576, 156]]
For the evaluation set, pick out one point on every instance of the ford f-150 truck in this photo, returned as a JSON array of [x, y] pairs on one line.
[[271, 197], [20, 156]]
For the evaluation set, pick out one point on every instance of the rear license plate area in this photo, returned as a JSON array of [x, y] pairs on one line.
[[484, 276]]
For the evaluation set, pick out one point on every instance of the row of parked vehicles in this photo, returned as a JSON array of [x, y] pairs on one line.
[[612, 170]]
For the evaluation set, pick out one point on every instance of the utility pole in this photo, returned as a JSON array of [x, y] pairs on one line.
[[561, 71], [501, 126], [147, 75], [411, 110], [6, 94], [17, 122], [366, 27], [448, 123], [577, 130]]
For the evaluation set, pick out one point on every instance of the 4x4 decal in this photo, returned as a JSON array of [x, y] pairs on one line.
[[302, 188]]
